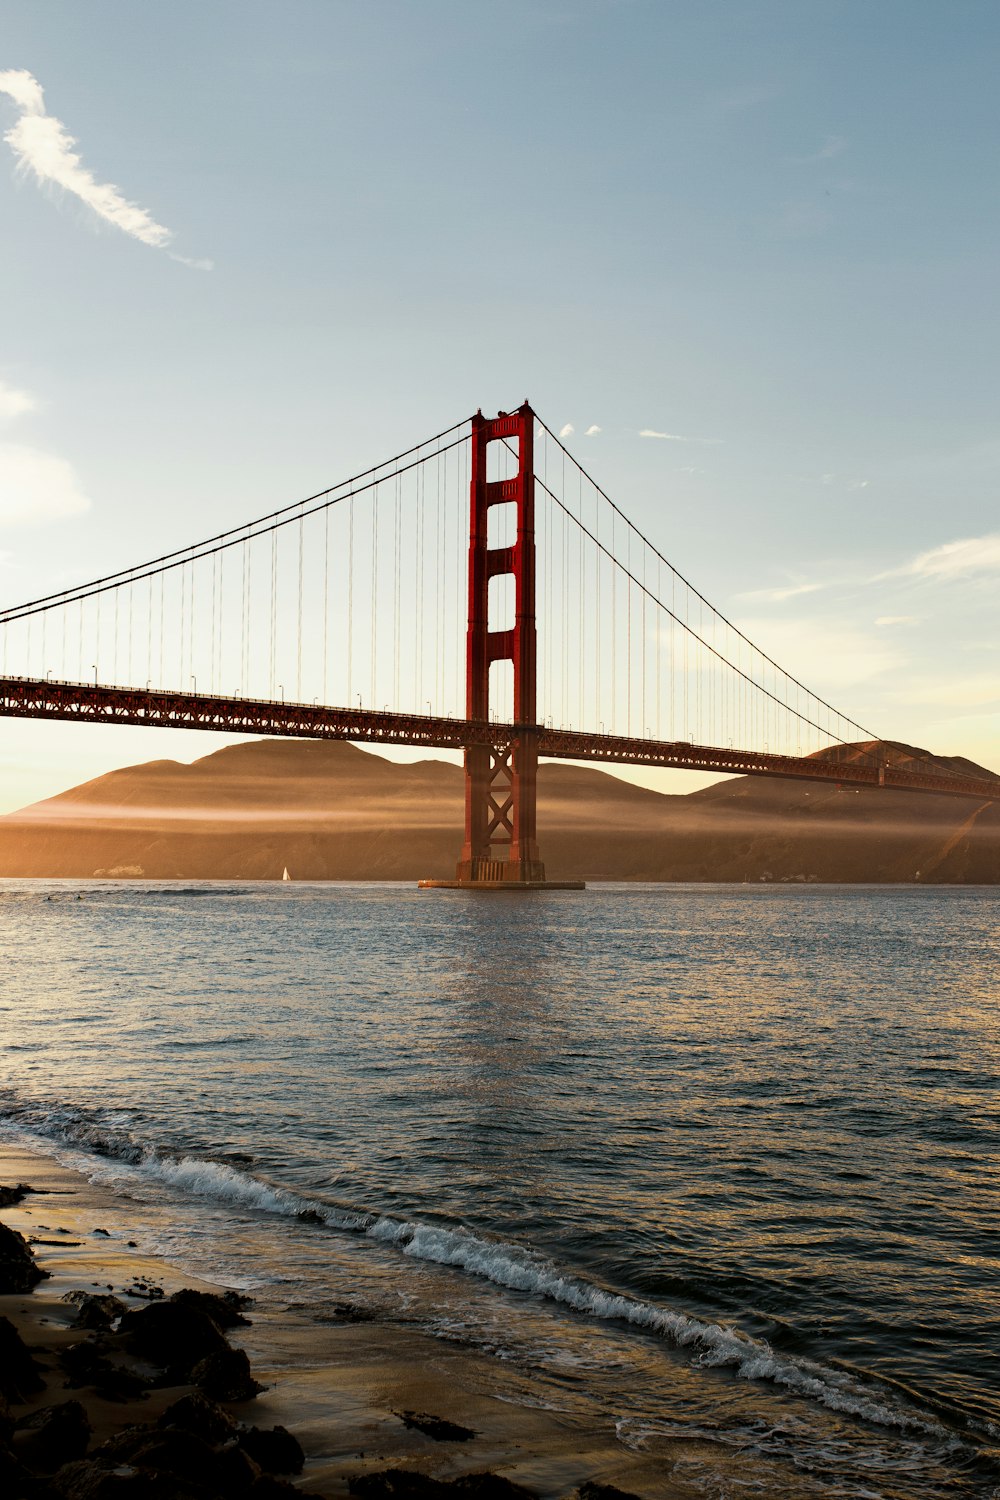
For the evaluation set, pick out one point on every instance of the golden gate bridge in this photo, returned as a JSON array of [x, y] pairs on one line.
[[478, 592]]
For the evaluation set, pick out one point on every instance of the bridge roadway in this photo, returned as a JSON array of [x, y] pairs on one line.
[[92, 703]]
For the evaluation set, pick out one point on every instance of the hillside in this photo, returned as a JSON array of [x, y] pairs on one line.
[[331, 811]]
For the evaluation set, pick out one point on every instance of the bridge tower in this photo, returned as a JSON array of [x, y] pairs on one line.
[[500, 851]]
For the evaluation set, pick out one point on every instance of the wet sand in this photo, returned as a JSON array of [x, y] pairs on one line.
[[338, 1386]]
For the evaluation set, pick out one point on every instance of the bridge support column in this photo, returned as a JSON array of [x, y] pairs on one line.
[[501, 846]]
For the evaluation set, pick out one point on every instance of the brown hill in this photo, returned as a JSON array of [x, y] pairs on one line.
[[330, 811]]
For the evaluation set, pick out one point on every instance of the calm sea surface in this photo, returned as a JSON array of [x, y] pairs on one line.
[[717, 1162]]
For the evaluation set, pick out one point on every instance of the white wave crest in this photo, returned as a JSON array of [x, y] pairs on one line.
[[752, 1359], [210, 1179]]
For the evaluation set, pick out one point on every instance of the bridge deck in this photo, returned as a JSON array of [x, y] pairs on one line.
[[75, 702]]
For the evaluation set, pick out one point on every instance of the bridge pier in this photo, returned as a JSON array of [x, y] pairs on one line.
[[500, 851]]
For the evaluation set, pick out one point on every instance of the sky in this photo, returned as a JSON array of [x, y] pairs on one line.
[[249, 249]]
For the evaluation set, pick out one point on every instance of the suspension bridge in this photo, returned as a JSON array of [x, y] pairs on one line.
[[478, 592]]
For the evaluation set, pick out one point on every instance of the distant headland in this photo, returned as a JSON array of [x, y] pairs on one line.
[[326, 810]]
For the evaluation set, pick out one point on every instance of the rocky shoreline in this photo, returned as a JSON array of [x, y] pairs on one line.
[[115, 1386]]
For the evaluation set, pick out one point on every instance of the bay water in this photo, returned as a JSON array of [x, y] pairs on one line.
[[720, 1163]]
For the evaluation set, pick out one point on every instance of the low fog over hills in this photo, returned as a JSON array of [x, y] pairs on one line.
[[331, 811]]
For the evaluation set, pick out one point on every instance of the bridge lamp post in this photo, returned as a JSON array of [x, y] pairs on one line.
[[93, 668], [428, 708], [48, 675], [148, 681], [281, 690], [194, 684]]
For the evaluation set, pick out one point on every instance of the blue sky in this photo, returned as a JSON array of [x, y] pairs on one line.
[[766, 229]]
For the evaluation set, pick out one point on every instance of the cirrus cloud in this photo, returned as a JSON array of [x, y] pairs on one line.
[[958, 559], [44, 147]]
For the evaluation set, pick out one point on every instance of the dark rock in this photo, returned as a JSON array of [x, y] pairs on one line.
[[438, 1428], [397, 1484], [18, 1271], [102, 1232], [223, 1311], [487, 1486], [87, 1480], [117, 1450], [11, 1195], [594, 1491], [20, 1376], [269, 1488], [225, 1376], [173, 1452], [170, 1334], [99, 1312], [235, 1471], [195, 1413], [53, 1436], [275, 1449], [310, 1216], [6, 1420], [12, 1472], [82, 1361]]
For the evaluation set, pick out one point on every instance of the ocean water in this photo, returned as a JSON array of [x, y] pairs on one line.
[[721, 1163]]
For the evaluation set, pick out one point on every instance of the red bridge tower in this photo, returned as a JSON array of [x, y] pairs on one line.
[[501, 848]]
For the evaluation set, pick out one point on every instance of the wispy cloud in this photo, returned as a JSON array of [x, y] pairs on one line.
[[567, 431], [953, 560], [896, 620], [592, 431], [43, 146], [676, 437], [35, 487], [977, 691], [778, 596], [828, 653], [14, 403], [833, 145]]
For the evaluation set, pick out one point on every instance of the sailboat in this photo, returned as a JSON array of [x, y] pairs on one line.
[[284, 874]]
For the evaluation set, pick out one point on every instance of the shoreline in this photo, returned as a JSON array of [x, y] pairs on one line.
[[339, 1387]]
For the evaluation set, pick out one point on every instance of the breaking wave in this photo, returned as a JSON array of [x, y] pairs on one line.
[[507, 1265]]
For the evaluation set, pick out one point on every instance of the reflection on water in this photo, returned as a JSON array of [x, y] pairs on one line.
[[729, 1152]]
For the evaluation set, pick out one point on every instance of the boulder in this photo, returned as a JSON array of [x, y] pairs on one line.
[[52, 1436], [235, 1471], [224, 1311], [591, 1490], [397, 1484], [274, 1449], [487, 1486], [11, 1195], [195, 1413], [18, 1271], [98, 1312], [20, 1375], [269, 1488], [225, 1376], [87, 1480], [171, 1335]]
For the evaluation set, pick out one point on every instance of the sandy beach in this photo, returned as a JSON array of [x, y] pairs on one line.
[[347, 1390]]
